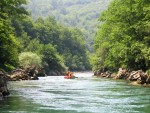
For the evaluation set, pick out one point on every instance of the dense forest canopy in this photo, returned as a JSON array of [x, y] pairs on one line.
[[8, 42], [123, 38], [82, 14], [54, 47]]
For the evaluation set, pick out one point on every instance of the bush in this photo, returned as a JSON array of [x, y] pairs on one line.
[[27, 59], [148, 72]]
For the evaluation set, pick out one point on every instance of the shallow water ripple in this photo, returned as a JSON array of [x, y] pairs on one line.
[[86, 94]]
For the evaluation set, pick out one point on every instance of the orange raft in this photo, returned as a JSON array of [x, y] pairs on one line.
[[69, 75]]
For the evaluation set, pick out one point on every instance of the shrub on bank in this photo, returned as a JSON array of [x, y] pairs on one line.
[[148, 72], [27, 59]]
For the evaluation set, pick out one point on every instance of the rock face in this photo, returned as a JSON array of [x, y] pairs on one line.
[[3, 85], [24, 74], [139, 76], [122, 74]]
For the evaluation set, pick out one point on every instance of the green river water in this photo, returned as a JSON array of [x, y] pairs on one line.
[[86, 94]]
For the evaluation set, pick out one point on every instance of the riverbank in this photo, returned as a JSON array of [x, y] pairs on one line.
[[3, 85], [137, 77], [30, 73]]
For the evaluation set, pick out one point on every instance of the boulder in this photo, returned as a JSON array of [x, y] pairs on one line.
[[108, 74], [134, 75], [41, 73], [4, 91], [138, 76], [122, 74], [34, 78], [148, 80], [3, 85], [24, 74]]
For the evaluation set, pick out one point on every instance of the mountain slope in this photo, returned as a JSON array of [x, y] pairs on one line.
[[81, 14]]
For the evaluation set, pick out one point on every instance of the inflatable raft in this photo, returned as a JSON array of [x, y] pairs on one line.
[[69, 75]]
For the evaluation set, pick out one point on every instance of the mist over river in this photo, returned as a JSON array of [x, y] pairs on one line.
[[85, 94]]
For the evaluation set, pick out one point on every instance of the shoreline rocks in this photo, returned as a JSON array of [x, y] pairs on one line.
[[17, 75], [24, 74], [138, 76], [3, 85]]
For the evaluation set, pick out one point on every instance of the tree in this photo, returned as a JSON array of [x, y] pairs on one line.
[[65, 12], [51, 58], [8, 46], [29, 59], [8, 43], [123, 36], [68, 42]]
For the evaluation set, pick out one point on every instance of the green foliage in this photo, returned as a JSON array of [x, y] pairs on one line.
[[51, 58], [8, 43], [8, 46], [123, 37], [29, 59], [68, 42], [82, 14], [44, 38], [148, 72], [73, 49], [13, 8]]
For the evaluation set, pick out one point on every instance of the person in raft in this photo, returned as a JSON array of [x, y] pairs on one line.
[[69, 74]]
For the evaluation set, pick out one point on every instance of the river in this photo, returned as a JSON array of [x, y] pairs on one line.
[[85, 94]]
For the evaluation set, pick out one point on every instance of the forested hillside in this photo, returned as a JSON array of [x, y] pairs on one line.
[[82, 14], [123, 39], [41, 43]]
